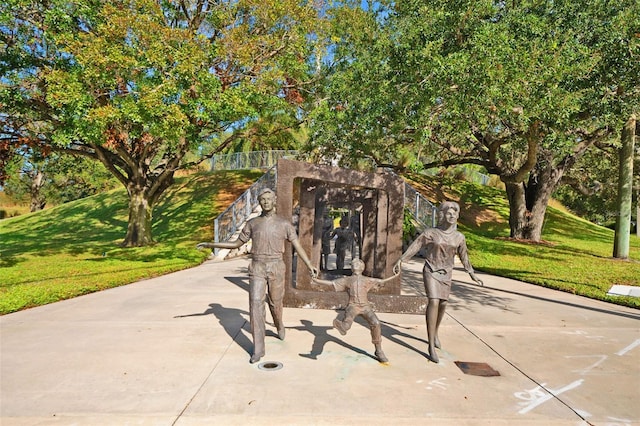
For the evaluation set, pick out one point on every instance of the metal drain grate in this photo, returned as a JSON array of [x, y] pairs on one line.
[[477, 369]]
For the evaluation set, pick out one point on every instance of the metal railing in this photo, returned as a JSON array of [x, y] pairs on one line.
[[474, 176], [230, 221], [424, 212], [470, 174], [249, 160]]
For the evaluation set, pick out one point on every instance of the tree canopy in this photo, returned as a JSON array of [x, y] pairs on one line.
[[138, 84], [524, 89], [521, 88]]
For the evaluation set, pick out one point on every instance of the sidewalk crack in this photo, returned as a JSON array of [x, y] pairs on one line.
[[215, 366], [554, 394]]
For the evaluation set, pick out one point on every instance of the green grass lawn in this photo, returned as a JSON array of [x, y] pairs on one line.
[[575, 255], [72, 249]]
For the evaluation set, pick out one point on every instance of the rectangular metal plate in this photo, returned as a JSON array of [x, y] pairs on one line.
[[477, 369]]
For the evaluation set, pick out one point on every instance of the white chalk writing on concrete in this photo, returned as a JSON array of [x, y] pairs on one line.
[[439, 383], [601, 359], [628, 348], [539, 395]]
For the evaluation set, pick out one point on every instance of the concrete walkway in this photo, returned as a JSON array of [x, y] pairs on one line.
[[174, 350]]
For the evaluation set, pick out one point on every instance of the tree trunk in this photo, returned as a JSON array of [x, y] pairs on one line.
[[144, 186], [140, 219], [525, 223], [144, 192], [528, 203], [517, 209], [625, 191], [38, 201]]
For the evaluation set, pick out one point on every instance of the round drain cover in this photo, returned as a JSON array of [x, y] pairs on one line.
[[270, 365]]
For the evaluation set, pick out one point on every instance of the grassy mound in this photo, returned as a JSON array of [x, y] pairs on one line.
[[575, 255], [73, 249]]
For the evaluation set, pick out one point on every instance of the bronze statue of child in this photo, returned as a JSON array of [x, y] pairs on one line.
[[327, 229], [358, 285], [345, 238]]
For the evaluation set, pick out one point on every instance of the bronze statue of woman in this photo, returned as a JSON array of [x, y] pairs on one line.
[[441, 245]]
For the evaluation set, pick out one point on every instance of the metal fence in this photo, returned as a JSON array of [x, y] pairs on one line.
[[230, 221], [249, 160], [423, 211], [474, 176]]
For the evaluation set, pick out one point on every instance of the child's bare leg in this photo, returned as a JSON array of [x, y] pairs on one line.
[[376, 336], [380, 354], [337, 324]]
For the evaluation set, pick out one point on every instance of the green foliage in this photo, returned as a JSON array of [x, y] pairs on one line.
[[356, 118], [132, 73], [70, 178], [474, 72], [520, 88], [409, 229], [140, 85], [71, 249], [10, 207], [590, 189], [65, 178]]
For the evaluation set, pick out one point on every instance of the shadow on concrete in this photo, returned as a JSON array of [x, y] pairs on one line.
[[232, 320], [470, 293], [466, 294], [242, 282], [321, 338], [395, 335], [611, 311]]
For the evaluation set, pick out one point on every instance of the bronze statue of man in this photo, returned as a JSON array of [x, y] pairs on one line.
[[441, 245], [268, 233], [346, 237]]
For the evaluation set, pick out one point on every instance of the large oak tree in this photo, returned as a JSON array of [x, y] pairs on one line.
[[522, 88], [139, 84]]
